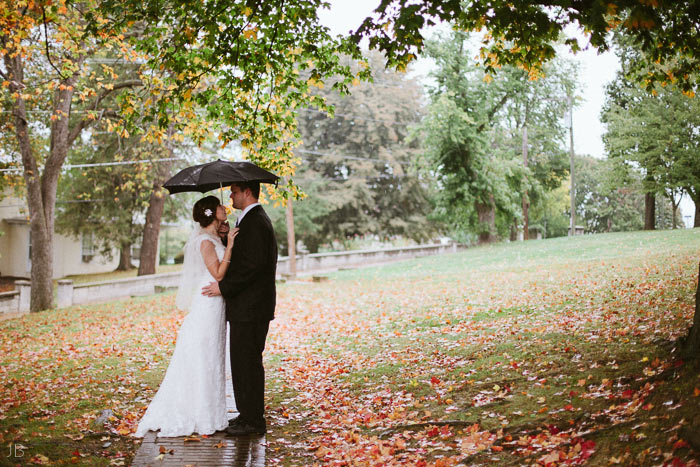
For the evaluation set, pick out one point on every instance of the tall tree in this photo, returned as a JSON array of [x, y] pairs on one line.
[[533, 120], [475, 139], [603, 203], [360, 161], [54, 93], [658, 134]]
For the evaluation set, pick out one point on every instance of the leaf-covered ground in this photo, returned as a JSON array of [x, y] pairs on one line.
[[549, 352]]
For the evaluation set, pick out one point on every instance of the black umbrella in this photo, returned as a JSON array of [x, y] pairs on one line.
[[217, 174]]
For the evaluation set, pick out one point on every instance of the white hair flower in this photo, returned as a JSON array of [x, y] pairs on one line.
[[208, 212]]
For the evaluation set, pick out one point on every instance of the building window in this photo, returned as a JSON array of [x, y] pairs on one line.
[[87, 248], [136, 250]]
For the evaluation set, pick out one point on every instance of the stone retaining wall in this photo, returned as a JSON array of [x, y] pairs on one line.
[[76, 294], [341, 259], [9, 302]]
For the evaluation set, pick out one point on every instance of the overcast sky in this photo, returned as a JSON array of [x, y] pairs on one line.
[[596, 70]]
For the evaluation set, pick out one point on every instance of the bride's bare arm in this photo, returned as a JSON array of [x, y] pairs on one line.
[[211, 260]]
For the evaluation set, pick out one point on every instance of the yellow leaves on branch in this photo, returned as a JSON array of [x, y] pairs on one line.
[[251, 33], [315, 82]]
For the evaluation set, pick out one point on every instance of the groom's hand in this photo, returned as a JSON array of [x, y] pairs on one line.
[[211, 290], [223, 229]]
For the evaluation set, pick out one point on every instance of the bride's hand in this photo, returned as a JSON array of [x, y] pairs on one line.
[[231, 236]]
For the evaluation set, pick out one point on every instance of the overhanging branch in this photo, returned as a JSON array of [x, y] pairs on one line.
[[86, 122]]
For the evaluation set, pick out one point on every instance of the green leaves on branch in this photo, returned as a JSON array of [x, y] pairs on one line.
[[246, 68], [522, 33]]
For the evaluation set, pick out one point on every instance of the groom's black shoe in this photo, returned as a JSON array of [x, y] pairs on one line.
[[235, 421], [242, 429]]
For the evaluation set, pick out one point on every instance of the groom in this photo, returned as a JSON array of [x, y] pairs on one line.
[[248, 289]]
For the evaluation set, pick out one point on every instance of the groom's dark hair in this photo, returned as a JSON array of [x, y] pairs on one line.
[[254, 187]]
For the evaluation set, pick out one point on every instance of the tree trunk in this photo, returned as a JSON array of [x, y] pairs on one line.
[[487, 220], [514, 231], [696, 221], [526, 201], [572, 191], [675, 206], [148, 259], [649, 211], [291, 240], [691, 345], [675, 218], [149, 245], [41, 188], [125, 259]]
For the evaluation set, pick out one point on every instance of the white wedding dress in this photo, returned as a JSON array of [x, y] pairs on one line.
[[192, 397]]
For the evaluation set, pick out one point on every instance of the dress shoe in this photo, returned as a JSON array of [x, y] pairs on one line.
[[235, 421], [243, 429]]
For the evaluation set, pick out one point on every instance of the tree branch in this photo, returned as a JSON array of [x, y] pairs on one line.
[[46, 42], [493, 111], [85, 122]]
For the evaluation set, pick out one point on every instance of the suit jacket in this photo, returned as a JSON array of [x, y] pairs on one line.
[[248, 287]]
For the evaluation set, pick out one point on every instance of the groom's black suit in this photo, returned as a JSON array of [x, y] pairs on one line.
[[249, 291]]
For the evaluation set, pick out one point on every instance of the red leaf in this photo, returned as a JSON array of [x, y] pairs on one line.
[[680, 444]]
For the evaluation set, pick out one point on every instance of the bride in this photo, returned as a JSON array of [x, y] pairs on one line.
[[192, 396]]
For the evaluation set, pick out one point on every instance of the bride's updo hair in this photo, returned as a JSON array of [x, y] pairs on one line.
[[204, 210]]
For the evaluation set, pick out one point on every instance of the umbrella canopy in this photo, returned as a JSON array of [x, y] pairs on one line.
[[217, 174]]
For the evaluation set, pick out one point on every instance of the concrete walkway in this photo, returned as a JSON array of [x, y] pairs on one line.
[[219, 450]]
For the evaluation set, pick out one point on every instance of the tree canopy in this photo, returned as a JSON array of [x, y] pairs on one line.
[[523, 33], [656, 134], [476, 129]]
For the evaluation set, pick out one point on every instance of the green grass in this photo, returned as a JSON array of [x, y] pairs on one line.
[[442, 309]]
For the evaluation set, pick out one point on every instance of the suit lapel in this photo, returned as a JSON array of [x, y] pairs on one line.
[[252, 212]]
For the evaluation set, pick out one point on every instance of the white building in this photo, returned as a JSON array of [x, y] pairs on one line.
[[71, 255]]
